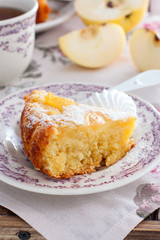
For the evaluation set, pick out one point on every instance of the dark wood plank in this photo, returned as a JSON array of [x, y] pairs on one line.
[[145, 225], [154, 215], [158, 214], [5, 211], [143, 236], [13, 227], [146, 230]]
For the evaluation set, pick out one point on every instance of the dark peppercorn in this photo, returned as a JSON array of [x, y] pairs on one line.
[[23, 235]]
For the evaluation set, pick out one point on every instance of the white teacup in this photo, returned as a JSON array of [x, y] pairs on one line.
[[17, 36]]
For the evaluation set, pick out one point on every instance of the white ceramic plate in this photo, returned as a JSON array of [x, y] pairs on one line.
[[61, 12], [17, 170]]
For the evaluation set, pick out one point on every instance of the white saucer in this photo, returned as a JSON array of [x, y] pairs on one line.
[[61, 12]]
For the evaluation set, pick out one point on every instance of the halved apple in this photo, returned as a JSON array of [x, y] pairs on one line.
[[127, 13], [145, 49], [94, 46]]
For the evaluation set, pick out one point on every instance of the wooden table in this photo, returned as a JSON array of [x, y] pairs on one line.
[[13, 227]]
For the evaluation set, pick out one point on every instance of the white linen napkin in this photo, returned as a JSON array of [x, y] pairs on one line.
[[109, 215]]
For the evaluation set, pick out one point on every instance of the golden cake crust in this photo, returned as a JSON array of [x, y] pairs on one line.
[[35, 136]]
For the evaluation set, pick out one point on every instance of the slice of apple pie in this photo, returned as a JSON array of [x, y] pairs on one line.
[[63, 138]]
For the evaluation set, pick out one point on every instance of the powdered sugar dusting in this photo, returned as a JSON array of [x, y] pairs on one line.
[[83, 114], [73, 115], [112, 105]]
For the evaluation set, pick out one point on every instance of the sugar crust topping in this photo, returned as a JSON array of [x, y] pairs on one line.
[[73, 115]]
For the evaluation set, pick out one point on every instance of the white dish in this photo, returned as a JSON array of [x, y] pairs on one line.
[[17, 170], [61, 13]]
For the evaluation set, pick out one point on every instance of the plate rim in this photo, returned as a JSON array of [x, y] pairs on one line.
[[41, 27], [79, 191]]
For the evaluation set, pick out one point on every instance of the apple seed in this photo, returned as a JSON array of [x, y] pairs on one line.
[[156, 38], [110, 4], [128, 15]]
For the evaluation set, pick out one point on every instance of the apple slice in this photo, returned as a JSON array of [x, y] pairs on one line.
[[94, 46], [145, 49], [127, 13]]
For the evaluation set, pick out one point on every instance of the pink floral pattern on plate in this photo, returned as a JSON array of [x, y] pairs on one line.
[[17, 170], [147, 199]]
